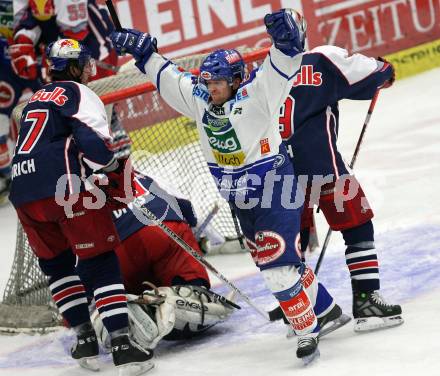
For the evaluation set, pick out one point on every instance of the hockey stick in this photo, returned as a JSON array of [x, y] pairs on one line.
[[208, 219], [236, 225], [353, 160], [113, 14], [138, 203]]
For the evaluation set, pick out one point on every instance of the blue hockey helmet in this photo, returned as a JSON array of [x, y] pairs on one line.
[[222, 65], [63, 51]]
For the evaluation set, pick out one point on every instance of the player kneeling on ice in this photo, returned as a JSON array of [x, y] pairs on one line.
[[64, 139], [237, 122], [310, 127], [183, 306]]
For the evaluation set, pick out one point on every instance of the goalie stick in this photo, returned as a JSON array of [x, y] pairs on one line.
[[138, 202]]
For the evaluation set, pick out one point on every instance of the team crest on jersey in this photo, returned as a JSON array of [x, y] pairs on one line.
[[7, 95], [57, 96], [307, 77]]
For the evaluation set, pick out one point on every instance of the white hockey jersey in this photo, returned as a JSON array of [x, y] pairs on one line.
[[242, 137]]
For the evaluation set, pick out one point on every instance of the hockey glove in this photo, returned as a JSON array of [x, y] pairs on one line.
[[120, 190], [284, 32], [23, 58], [140, 45], [386, 65]]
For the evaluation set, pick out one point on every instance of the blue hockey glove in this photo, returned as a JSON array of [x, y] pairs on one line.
[[284, 32], [140, 45]]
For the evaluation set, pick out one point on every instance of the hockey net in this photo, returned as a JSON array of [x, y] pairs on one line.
[[164, 145]]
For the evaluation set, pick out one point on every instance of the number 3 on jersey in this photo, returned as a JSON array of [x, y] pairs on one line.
[[286, 118], [38, 120]]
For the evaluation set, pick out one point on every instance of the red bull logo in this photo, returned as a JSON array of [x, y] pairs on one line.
[[67, 43]]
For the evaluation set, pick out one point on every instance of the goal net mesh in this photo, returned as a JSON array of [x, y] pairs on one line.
[[164, 144]]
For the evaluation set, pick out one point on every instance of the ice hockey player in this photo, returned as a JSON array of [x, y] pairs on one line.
[[238, 128], [183, 306], [309, 124], [37, 23], [64, 137], [11, 89]]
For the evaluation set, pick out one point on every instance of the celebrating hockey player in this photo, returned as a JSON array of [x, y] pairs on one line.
[[238, 127], [309, 126], [11, 89], [183, 306], [64, 137]]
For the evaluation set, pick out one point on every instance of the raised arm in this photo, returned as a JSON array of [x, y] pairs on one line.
[[175, 87]]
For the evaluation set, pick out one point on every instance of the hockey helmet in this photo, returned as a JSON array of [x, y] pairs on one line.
[[301, 23], [63, 51], [222, 65], [42, 10]]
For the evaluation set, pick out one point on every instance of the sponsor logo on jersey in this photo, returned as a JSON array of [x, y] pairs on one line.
[[264, 146], [7, 95], [200, 93], [223, 140], [269, 247], [307, 77], [217, 110], [238, 111], [307, 278], [242, 94], [56, 96]]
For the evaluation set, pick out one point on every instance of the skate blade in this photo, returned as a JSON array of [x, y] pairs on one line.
[[89, 363], [308, 359], [370, 324], [333, 325], [135, 369]]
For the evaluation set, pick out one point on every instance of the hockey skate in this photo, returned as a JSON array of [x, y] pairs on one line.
[[86, 351], [371, 312], [129, 358], [328, 323], [307, 349], [332, 321]]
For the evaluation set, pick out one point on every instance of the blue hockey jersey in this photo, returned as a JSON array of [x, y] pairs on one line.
[[309, 118], [63, 133], [164, 206]]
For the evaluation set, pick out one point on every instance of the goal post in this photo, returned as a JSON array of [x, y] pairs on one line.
[[164, 145]]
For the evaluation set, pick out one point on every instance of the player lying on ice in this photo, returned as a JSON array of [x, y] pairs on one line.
[[309, 127], [237, 122], [183, 306]]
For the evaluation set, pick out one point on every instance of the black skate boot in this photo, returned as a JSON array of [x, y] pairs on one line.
[[131, 359], [86, 351], [371, 312], [332, 320], [307, 349]]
